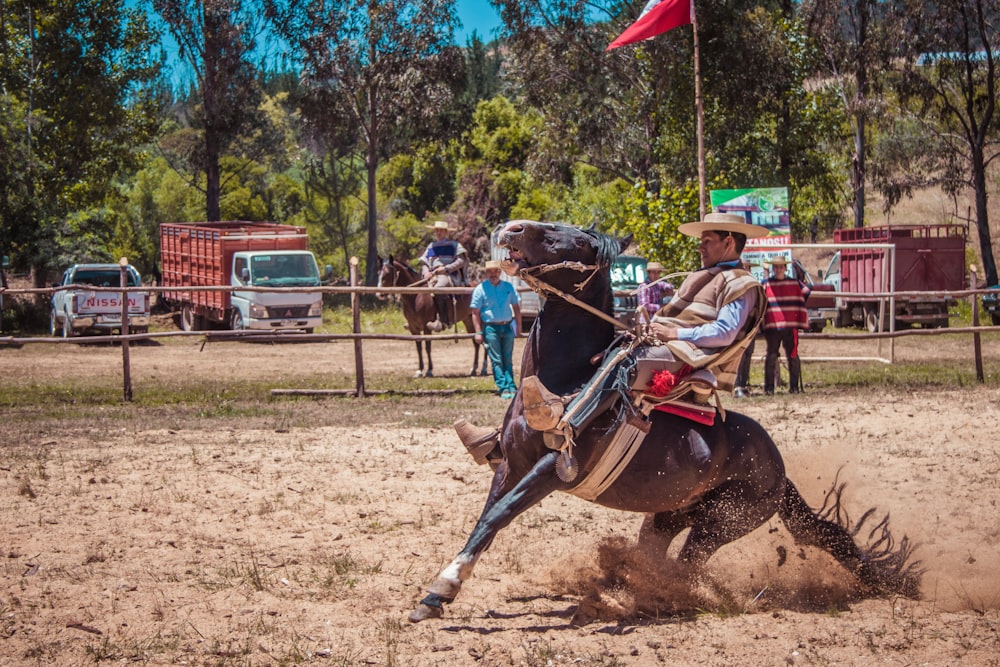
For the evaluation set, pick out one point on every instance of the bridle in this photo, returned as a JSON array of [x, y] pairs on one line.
[[541, 287]]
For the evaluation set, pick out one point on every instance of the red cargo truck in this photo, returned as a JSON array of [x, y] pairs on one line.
[[928, 258], [241, 254]]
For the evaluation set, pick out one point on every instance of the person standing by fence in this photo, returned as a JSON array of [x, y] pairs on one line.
[[786, 314], [496, 314], [652, 293]]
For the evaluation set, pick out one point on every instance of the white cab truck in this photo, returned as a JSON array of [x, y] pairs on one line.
[[241, 254], [79, 309]]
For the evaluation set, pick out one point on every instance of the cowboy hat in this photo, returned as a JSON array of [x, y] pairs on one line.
[[777, 261], [492, 264], [654, 266], [439, 224], [723, 222]]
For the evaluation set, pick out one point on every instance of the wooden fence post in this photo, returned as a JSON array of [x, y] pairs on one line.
[[126, 362], [359, 361], [977, 346]]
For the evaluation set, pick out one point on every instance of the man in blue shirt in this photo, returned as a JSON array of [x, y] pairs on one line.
[[495, 308]]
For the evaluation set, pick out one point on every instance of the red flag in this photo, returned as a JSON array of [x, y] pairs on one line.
[[658, 16]]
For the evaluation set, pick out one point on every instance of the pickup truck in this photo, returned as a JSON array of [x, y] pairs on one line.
[[78, 310], [820, 307], [991, 304]]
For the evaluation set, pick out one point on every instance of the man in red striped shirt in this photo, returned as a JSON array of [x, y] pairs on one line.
[[786, 314]]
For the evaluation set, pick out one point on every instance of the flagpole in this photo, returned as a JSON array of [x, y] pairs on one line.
[[699, 115]]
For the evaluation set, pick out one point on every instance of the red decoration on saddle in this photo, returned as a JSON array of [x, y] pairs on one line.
[[663, 381]]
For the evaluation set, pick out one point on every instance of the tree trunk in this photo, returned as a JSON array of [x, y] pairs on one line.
[[213, 188], [858, 164], [371, 257], [983, 218]]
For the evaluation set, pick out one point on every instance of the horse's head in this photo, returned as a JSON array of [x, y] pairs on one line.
[[387, 275], [563, 252]]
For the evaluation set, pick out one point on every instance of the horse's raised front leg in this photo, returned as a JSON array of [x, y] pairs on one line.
[[540, 481]]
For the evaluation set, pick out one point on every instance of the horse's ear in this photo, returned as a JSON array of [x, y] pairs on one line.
[[624, 243]]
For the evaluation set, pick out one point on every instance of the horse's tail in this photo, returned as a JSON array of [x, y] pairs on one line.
[[879, 564]]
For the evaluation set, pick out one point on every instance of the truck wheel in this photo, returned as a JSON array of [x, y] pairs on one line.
[[189, 321], [817, 327], [236, 321], [872, 321]]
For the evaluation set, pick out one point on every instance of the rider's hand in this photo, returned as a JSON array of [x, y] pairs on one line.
[[663, 331], [440, 270]]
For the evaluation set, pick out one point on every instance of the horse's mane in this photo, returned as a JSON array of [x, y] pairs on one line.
[[608, 247], [406, 266]]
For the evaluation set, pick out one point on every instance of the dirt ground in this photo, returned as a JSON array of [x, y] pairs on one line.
[[304, 531]]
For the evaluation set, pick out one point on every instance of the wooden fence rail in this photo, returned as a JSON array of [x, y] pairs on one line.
[[356, 290]]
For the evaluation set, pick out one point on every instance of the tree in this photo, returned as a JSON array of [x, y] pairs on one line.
[[78, 99], [631, 112], [949, 80], [217, 40], [383, 70]]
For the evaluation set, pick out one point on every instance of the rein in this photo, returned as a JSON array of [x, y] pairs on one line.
[[540, 286], [399, 269]]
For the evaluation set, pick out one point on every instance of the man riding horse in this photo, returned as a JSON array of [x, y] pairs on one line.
[[443, 265], [707, 324]]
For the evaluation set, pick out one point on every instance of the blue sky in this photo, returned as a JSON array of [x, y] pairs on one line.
[[476, 15]]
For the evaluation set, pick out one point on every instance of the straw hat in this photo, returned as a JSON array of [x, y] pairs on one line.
[[492, 264], [777, 261], [654, 266], [723, 222], [439, 224]]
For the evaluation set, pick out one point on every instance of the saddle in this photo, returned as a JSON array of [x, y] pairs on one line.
[[642, 379], [648, 376]]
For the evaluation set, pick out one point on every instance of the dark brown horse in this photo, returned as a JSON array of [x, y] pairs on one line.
[[419, 310], [721, 480]]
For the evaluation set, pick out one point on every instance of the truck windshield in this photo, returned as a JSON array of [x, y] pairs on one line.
[[296, 270], [628, 272], [103, 278]]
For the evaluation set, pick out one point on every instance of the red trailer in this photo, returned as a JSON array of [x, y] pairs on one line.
[[928, 258], [239, 254]]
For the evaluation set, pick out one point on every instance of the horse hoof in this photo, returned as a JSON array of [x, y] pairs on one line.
[[428, 374], [424, 612], [418, 374]]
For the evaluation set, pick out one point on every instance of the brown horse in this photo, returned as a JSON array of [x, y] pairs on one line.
[[419, 310], [720, 480]]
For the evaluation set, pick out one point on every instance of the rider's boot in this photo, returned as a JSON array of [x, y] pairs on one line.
[[444, 307], [479, 440], [542, 408]]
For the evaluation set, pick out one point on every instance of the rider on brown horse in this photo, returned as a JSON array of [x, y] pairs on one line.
[[443, 265], [707, 324]]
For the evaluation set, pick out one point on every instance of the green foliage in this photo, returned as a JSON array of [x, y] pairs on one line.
[[403, 237], [84, 85], [652, 218], [418, 181], [495, 152]]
